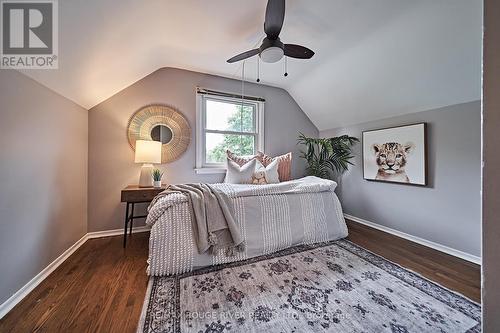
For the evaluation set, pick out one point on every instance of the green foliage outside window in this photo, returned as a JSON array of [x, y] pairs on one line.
[[239, 144]]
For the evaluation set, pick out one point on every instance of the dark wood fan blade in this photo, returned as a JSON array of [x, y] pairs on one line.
[[243, 55], [275, 14], [298, 51]]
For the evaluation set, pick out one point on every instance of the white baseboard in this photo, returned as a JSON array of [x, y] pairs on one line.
[[425, 242], [28, 287], [115, 232]]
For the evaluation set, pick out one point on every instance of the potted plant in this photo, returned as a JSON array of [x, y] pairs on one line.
[[157, 175], [327, 157]]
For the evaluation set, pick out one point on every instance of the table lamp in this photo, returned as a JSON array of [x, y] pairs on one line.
[[147, 153]]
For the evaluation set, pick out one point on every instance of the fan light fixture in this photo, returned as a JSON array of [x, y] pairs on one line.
[[272, 48], [272, 54]]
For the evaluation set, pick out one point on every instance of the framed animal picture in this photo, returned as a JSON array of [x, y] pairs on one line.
[[396, 154]]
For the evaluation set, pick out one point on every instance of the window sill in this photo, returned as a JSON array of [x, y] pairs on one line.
[[204, 171]]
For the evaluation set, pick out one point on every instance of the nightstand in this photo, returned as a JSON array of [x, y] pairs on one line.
[[133, 194]]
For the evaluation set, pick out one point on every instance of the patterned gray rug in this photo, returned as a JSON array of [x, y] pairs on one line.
[[328, 287]]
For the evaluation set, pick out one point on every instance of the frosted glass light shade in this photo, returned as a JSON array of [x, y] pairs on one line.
[[147, 151], [272, 54]]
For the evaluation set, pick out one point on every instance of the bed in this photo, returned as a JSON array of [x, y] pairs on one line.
[[270, 218]]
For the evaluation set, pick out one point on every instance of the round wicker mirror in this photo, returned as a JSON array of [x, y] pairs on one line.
[[161, 123]]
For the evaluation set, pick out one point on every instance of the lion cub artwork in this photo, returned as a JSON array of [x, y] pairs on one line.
[[391, 158], [396, 154]]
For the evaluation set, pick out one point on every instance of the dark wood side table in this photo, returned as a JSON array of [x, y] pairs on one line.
[[133, 194]]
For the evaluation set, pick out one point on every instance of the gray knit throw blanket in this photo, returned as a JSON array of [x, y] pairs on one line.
[[213, 217]]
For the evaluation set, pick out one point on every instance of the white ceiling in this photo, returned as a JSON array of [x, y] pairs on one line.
[[373, 59]]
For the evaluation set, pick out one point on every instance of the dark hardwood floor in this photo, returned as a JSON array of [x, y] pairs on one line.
[[101, 287], [449, 271]]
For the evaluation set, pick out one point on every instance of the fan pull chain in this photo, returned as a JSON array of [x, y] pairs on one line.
[[242, 102], [242, 81], [258, 69], [286, 66]]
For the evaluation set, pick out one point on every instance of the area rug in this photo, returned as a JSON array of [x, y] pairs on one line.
[[329, 287]]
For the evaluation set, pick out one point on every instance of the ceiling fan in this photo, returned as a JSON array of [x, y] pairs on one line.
[[272, 49]]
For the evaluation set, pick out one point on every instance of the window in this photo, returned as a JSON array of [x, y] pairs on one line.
[[226, 123]]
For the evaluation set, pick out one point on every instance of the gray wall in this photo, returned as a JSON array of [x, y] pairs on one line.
[[111, 160], [448, 211], [43, 177], [491, 171]]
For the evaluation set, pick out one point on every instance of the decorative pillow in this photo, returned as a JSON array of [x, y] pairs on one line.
[[266, 175], [240, 174], [284, 164], [259, 178], [240, 160]]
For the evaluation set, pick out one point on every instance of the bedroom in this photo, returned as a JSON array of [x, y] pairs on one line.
[[390, 224]]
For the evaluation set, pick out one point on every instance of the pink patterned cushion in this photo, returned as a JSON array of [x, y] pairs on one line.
[[284, 164], [240, 160]]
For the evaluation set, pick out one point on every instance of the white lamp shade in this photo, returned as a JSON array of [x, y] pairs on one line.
[[147, 151]]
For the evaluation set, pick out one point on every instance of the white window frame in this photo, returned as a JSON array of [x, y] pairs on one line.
[[201, 166]]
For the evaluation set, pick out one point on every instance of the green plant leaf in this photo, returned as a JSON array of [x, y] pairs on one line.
[[326, 156], [157, 175]]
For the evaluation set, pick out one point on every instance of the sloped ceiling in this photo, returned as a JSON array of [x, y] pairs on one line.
[[373, 59]]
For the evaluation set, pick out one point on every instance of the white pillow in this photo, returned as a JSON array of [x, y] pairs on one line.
[[240, 175], [270, 172]]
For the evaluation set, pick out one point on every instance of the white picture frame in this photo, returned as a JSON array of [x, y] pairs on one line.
[[396, 154]]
